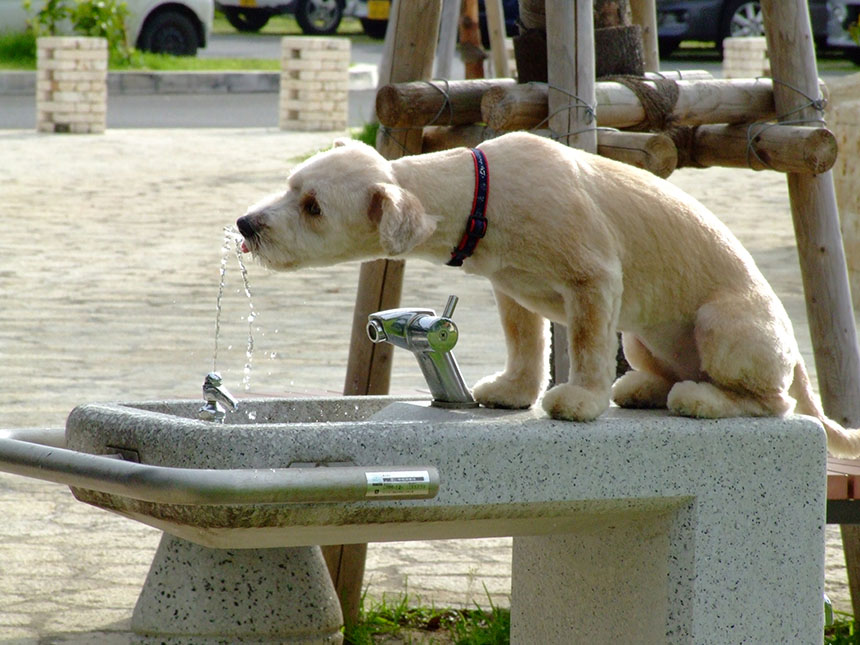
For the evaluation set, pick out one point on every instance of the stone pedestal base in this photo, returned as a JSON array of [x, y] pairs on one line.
[[199, 596]]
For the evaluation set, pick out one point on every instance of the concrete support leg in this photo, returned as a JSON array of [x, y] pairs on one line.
[[199, 596], [605, 584]]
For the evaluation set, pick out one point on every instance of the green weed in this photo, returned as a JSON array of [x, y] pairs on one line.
[[389, 622]]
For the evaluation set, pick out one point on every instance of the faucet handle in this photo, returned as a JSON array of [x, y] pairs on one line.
[[450, 306]]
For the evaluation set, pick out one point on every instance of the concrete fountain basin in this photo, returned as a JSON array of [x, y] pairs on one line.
[[637, 527]]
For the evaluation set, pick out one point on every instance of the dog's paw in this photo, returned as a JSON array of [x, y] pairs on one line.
[[574, 403], [637, 389], [702, 401], [504, 391]]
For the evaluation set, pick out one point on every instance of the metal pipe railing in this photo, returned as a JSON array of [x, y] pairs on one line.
[[193, 486]]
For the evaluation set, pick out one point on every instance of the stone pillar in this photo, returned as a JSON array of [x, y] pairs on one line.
[[745, 58], [314, 83], [71, 86]]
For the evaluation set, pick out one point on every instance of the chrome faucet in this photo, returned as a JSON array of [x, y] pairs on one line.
[[215, 396], [430, 338]]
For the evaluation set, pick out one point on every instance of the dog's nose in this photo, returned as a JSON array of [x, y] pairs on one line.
[[246, 228]]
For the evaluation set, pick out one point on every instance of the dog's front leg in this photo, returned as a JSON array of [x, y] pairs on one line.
[[592, 315], [526, 369]]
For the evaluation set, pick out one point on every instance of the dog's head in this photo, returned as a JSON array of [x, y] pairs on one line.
[[342, 204]]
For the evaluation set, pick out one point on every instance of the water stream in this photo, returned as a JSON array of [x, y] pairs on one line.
[[233, 241]]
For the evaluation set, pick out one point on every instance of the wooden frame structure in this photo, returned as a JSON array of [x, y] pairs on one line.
[[793, 97]]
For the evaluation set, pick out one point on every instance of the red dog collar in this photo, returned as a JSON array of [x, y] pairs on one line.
[[476, 226]]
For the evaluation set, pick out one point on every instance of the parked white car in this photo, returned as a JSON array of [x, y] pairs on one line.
[[315, 17], [176, 27]]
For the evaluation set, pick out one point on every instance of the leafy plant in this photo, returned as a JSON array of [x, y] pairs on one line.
[[103, 19], [96, 18]]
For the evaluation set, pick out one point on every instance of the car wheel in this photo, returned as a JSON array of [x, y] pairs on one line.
[[741, 19], [169, 32], [319, 17], [374, 28], [246, 20]]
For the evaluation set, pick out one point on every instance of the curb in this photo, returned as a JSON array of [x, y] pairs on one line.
[[361, 77]]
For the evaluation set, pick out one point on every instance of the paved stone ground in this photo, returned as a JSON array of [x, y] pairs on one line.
[[108, 280]]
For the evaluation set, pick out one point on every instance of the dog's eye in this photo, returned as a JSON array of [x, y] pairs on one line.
[[311, 206]]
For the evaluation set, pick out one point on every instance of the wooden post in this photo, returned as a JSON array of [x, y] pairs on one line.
[[470, 40], [816, 218], [572, 107], [410, 48], [570, 70], [644, 14], [447, 38], [819, 241], [496, 29]]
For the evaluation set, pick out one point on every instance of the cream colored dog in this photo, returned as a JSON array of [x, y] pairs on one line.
[[581, 240]]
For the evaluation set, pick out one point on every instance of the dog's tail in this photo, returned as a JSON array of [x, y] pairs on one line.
[[841, 442]]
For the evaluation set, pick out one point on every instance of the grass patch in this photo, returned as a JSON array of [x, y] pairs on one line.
[[18, 52], [166, 63], [285, 25], [842, 631], [397, 622], [366, 134]]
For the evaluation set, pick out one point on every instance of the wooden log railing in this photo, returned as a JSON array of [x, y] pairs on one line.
[[444, 102], [523, 107]]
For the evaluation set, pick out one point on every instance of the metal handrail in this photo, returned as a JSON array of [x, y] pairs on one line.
[[198, 486]]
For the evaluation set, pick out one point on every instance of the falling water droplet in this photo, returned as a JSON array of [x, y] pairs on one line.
[[225, 248], [252, 315]]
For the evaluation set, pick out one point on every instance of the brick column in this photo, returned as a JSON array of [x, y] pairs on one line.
[[745, 57], [71, 85], [314, 83]]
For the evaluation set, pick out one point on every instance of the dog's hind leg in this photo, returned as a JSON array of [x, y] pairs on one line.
[[748, 353], [526, 369], [647, 385]]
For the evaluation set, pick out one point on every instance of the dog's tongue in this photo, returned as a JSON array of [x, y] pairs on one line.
[[245, 248]]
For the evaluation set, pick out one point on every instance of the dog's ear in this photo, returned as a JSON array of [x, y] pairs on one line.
[[400, 217]]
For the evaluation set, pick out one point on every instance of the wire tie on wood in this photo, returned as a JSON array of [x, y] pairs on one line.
[[446, 94]]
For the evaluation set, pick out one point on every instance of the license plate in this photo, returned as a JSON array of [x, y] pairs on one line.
[[247, 3], [378, 9]]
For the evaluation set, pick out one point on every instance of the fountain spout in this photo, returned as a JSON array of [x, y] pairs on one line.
[[430, 338], [216, 397]]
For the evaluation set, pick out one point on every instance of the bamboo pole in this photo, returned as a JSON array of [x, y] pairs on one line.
[[410, 46], [522, 107]]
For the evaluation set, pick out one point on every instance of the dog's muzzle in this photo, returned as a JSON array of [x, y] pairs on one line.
[[248, 231]]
